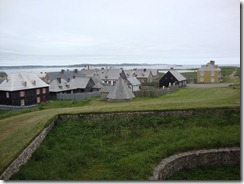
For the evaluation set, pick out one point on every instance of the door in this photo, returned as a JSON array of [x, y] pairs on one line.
[[22, 102]]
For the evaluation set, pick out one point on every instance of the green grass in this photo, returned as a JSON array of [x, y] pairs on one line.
[[221, 172], [125, 148], [17, 128]]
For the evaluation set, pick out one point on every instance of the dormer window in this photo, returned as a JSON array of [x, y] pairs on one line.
[[24, 83], [59, 80]]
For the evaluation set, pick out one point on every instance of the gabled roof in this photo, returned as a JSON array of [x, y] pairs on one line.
[[63, 74], [138, 73], [59, 86], [22, 81], [90, 72], [177, 75], [120, 91], [74, 83], [79, 82], [110, 74], [133, 81], [154, 72]]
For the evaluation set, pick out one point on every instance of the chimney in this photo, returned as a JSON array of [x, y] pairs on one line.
[[212, 62]]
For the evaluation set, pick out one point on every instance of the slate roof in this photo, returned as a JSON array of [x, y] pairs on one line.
[[133, 81], [120, 91], [22, 81], [1, 80], [63, 74], [90, 72], [138, 73], [56, 86], [177, 75], [112, 74], [64, 85]]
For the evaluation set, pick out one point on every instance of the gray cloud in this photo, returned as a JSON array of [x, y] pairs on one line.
[[122, 28]]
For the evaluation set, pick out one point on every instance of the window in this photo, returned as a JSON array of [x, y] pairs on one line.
[[212, 73], [22, 93], [44, 90], [202, 73], [7, 94], [37, 91], [38, 100]]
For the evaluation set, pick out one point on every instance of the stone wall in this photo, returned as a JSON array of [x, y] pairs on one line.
[[188, 112], [29, 150], [193, 159], [26, 153]]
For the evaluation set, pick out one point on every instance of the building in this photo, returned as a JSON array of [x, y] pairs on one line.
[[120, 92], [73, 85], [209, 73], [110, 76], [133, 84], [143, 75], [23, 89], [63, 74], [172, 77]]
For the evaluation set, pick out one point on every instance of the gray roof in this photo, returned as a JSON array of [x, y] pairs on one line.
[[177, 75], [138, 73], [120, 91], [64, 85], [80, 82], [56, 86], [22, 81], [1, 80], [90, 73], [112, 74], [63, 74], [133, 81], [154, 72]]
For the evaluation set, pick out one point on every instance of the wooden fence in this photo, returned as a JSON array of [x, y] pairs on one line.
[[77, 96], [153, 92]]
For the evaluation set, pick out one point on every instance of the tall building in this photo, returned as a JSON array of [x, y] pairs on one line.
[[209, 73]]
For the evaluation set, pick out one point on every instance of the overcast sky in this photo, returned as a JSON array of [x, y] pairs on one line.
[[81, 31]]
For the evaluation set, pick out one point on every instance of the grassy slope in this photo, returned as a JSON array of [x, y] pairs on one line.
[[126, 148], [17, 131]]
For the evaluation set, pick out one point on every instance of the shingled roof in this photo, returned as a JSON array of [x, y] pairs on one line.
[[120, 92], [177, 75]]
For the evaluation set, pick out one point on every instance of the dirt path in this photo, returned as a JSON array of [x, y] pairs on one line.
[[233, 74], [209, 85]]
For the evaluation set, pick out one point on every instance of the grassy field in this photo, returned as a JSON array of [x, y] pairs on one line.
[[210, 172], [126, 148], [17, 128]]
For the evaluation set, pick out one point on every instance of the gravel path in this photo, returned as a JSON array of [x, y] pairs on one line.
[[209, 85]]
